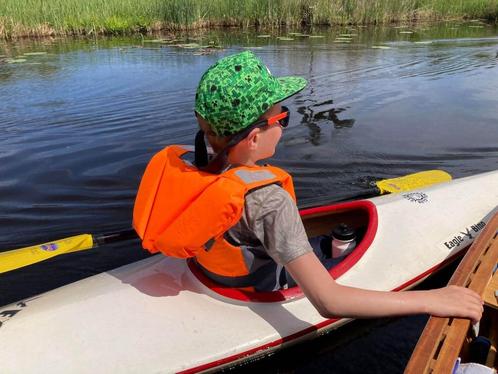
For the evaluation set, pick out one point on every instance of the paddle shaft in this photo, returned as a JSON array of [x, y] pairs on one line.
[[366, 194], [119, 236], [10, 260], [112, 237], [128, 234]]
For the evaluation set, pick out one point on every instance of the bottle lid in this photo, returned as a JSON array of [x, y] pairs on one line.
[[343, 232]]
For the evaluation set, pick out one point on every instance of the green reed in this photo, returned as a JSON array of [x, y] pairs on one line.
[[64, 17]]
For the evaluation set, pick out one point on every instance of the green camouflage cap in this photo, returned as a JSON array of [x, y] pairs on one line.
[[235, 91]]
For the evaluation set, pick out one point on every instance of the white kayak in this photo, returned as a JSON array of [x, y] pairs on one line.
[[162, 315]]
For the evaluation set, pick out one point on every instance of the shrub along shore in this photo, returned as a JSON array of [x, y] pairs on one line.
[[34, 18]]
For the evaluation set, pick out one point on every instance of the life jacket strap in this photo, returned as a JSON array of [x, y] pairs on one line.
[[201, 153]]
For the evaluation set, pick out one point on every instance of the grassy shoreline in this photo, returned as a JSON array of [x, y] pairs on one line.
[[35, 18]]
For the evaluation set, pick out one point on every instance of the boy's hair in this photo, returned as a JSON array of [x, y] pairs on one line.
[[235, 91], [218, 143]]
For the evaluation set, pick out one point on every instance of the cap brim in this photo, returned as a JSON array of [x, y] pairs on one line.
[[290, 86]]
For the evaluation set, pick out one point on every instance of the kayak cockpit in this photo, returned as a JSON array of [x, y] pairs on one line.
[[360, 215]]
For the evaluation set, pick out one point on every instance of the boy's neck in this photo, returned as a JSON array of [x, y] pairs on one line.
[[235, 158]]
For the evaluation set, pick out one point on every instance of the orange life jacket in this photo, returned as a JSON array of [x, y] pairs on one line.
[[184, 212]]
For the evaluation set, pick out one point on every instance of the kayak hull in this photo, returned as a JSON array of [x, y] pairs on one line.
[[157, 315]]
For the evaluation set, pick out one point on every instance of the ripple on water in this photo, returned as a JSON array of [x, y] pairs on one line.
[[77, 130]]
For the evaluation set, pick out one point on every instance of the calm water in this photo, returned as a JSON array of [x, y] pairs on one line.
[[79, 123]]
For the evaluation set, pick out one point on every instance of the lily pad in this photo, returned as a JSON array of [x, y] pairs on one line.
[[348, 35], [189, 45], [477, 27], [406, 32], [157, 41], [424, 42], [264, 36], [316, 36], [380, 47], [284, 38], [15, 60], [35, 53], [343, 39]]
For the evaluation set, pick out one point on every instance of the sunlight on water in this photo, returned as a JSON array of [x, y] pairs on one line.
[[80, 119]]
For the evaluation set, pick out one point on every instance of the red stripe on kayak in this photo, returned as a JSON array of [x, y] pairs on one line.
[[238, 356], [433, 269], [294, 292], [311, 329]]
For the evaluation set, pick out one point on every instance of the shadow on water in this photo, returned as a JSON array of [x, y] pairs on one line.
[[80, 118]]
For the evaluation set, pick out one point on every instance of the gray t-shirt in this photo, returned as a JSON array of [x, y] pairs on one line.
[[272, 222]]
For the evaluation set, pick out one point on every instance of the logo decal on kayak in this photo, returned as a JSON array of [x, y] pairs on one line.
[[464, 237], [5, 315], [49, 247], [416, 197]]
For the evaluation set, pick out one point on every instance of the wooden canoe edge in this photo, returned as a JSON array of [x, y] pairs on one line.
[[442, 338]]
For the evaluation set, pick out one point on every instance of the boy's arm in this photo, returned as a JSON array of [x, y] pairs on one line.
[[334, 300]]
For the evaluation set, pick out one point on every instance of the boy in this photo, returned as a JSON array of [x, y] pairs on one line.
[[244, 228]]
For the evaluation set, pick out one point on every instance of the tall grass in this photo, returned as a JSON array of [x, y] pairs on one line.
[[62, 17]]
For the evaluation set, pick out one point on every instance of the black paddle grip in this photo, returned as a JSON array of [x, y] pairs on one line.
[[116, 236]]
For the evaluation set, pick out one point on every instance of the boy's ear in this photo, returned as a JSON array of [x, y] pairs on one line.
[[252, 138]]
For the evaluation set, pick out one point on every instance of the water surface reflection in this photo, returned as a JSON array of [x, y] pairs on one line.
[[80, 118]]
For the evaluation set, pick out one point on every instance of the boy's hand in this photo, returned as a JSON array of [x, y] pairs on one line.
[[455, 301]]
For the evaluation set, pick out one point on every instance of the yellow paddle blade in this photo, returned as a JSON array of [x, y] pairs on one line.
[[18, 258], [413, 181]]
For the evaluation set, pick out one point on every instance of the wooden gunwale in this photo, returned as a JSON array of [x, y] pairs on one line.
[[442, 339]]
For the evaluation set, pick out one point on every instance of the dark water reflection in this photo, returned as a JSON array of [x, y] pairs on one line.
[[78, 124]]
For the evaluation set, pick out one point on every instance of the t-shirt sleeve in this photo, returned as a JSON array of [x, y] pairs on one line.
[[274, 219]]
